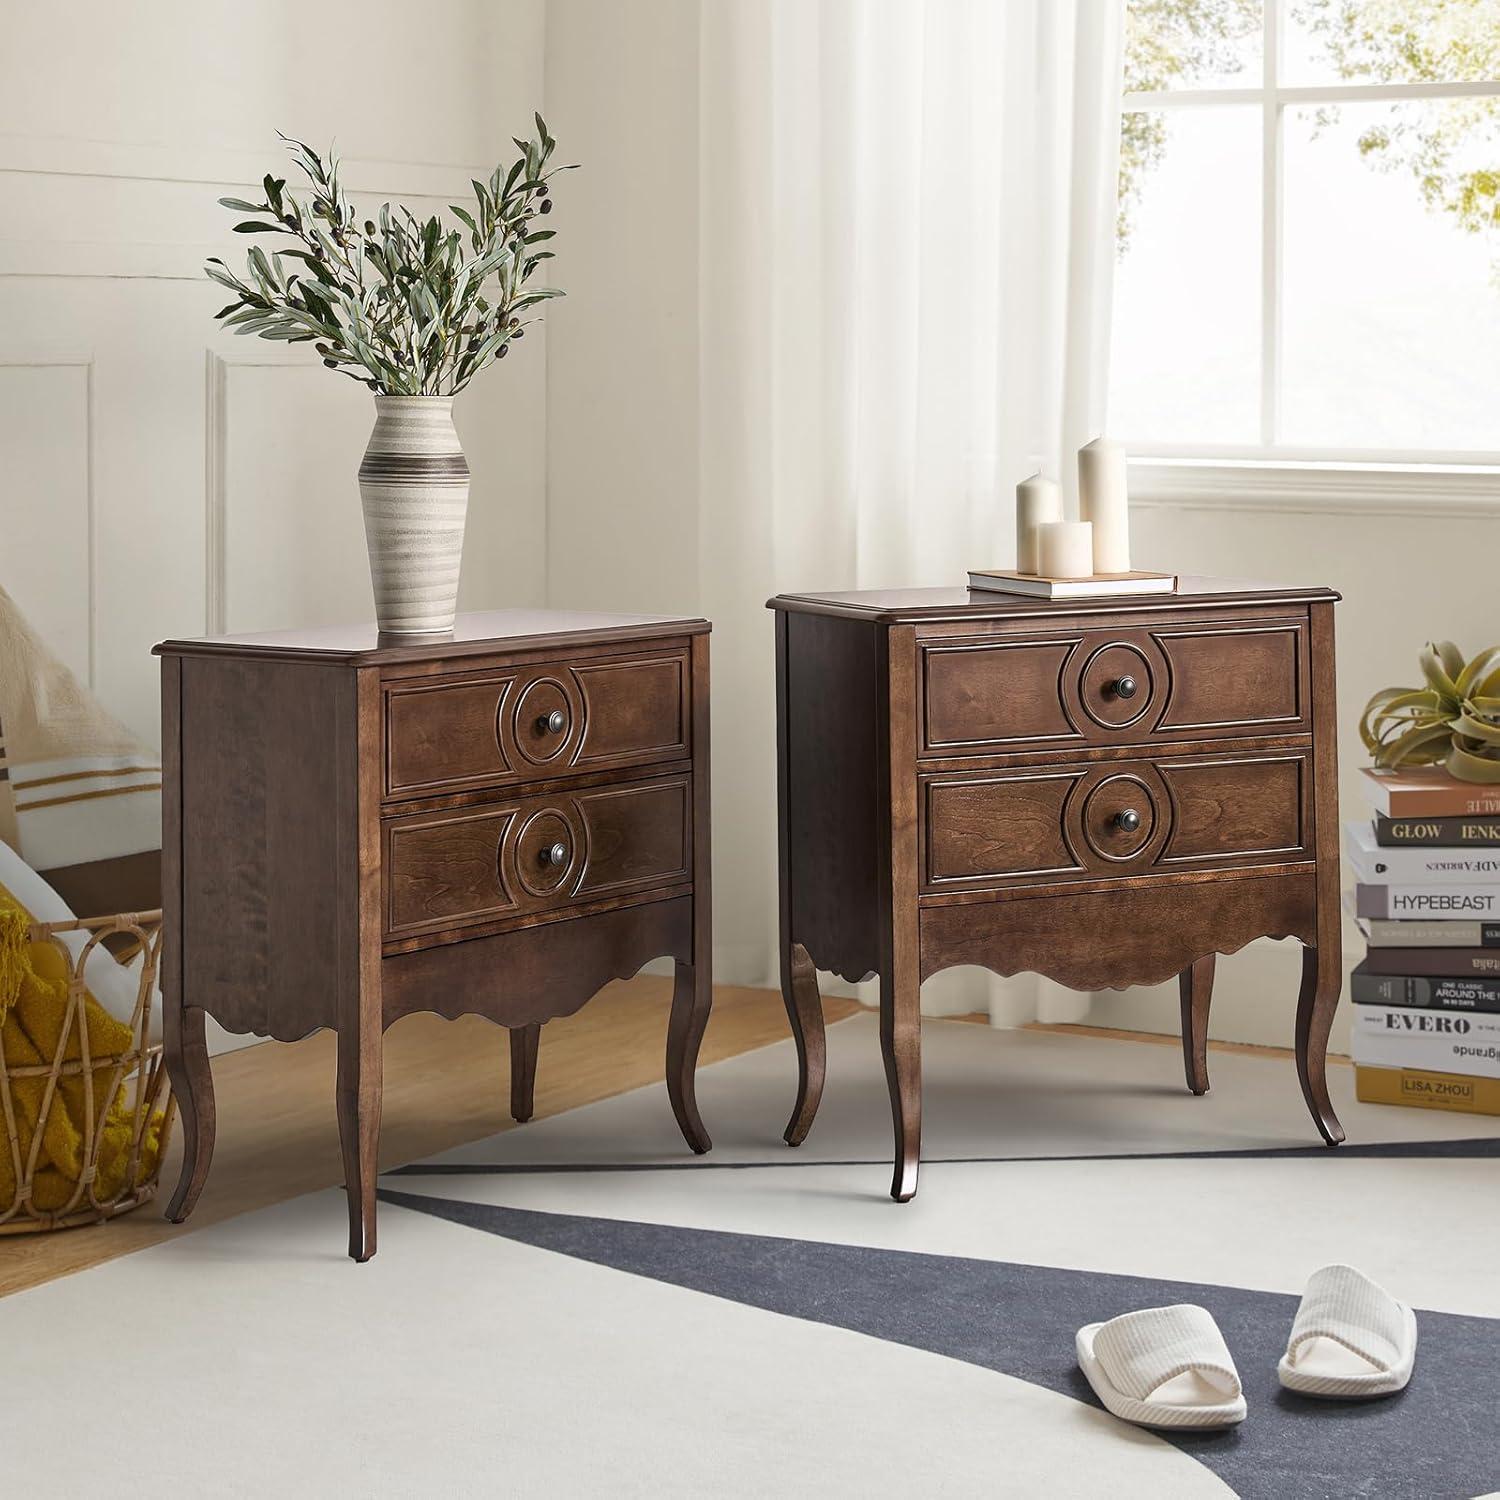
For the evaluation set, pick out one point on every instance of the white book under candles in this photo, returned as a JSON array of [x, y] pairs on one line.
[[1100, 586], [1103, 500]]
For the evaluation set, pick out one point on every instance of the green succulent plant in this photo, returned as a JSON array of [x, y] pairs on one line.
[[1454, 720], [396, 302]]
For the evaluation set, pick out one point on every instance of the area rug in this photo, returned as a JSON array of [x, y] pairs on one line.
[[579, 1308]]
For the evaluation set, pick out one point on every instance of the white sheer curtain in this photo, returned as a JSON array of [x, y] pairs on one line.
[[906, 245]]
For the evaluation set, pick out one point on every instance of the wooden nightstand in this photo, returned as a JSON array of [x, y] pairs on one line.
[[495, 822], [1108, 793]]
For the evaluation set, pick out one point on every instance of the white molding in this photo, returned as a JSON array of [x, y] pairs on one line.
[[222, 166], [84, 362], [228, 171], [1428, 491], [117, 260], [1332, 93], [1287, 455], [216, 475]]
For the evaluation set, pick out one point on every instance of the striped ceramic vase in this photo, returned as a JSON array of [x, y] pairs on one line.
[[414, 482]]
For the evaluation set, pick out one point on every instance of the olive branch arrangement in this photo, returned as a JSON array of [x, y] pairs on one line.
[[1454, 719], [395, 302]]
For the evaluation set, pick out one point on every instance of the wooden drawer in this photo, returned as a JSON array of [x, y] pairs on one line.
[[495, 860], [539, 720], [1171, 680], [1107, 819]]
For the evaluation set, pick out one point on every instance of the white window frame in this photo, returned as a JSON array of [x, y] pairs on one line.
[[1371, 478]]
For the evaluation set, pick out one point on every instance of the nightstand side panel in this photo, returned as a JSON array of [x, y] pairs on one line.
[[830, 706], [268, 818]]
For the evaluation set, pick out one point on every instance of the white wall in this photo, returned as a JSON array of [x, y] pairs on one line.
[[163, 478], [622, 380]]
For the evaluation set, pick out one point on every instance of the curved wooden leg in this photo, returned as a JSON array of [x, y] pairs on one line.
[[358, 1097], [1196, 987], [692, 998], [901, 1045], [1322, 980], [804, 1008], [186, 1050], [524, 1041]]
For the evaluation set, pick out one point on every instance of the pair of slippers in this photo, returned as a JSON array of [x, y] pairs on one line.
[[1170, 1367]]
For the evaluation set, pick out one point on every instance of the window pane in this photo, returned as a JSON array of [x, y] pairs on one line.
[[1378, 41], [1192, 44], [1186, 348], [1391, 310]]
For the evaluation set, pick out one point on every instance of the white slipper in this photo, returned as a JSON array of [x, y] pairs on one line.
[[1163, 1367], [1350, 1339]]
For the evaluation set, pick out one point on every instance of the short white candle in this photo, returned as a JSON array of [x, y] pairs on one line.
[[1065, 549], [1038, 501], [1104, 500]]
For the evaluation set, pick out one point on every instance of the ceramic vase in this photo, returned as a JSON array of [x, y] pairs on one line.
[[414, 482]]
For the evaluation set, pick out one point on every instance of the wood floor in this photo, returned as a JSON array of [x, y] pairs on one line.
[[446, 1082]]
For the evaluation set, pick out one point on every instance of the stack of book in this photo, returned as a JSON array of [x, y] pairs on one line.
[[1427, 993]]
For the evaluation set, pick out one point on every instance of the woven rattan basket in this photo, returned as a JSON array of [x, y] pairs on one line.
[[138, 1070]]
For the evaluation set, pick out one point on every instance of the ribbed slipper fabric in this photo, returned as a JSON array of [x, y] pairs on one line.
[[1163, 1367], [1350, 1341]]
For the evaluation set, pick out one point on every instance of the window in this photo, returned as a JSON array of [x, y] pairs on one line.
[[1309, 235]]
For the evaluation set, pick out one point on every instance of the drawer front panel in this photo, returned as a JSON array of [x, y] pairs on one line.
[[1013, 823], [1105, 686], [508, 858], [993, 695], [1224, 808], [540, 720], [1248, 680], [1104, 820]]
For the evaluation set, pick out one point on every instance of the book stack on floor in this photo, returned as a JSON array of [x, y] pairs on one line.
[[1426, 1028]]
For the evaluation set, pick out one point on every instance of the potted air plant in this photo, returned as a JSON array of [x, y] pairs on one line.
[[413, 309], [1453, 719]]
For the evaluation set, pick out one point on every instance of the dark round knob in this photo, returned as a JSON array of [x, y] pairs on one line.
[[1125, 687], [553, 723], [555, 854], [1127, 820]]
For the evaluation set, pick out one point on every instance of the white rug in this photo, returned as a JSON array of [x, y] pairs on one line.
[[579, 1308]]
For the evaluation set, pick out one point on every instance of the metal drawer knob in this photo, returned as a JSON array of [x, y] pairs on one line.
[[555, 854], [1127, 820], [553, 723], [1124, 687]]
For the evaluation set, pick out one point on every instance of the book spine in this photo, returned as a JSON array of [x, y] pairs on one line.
[[1416, 992], [1412, 1086], [1384, 932], [1418, 866], [1458, 801], [1427, 901], [1437, 833], [1432, 963], [1435, 1041]]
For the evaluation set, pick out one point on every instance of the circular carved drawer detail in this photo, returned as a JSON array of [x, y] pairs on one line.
[[1119, 818], [1116, 820], [1117, 685], [546, 719], [546, 852]]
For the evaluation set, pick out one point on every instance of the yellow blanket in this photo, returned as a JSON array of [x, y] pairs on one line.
[[33, 1015]]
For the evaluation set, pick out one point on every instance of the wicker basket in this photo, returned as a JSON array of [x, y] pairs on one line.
[[139, 1070]]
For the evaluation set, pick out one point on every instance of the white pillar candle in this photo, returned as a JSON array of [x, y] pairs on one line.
[[1103, 499], [1038, 501], [1065, 549]]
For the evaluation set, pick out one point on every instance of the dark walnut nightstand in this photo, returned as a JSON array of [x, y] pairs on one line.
[[1107, 793], [496, 822]]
